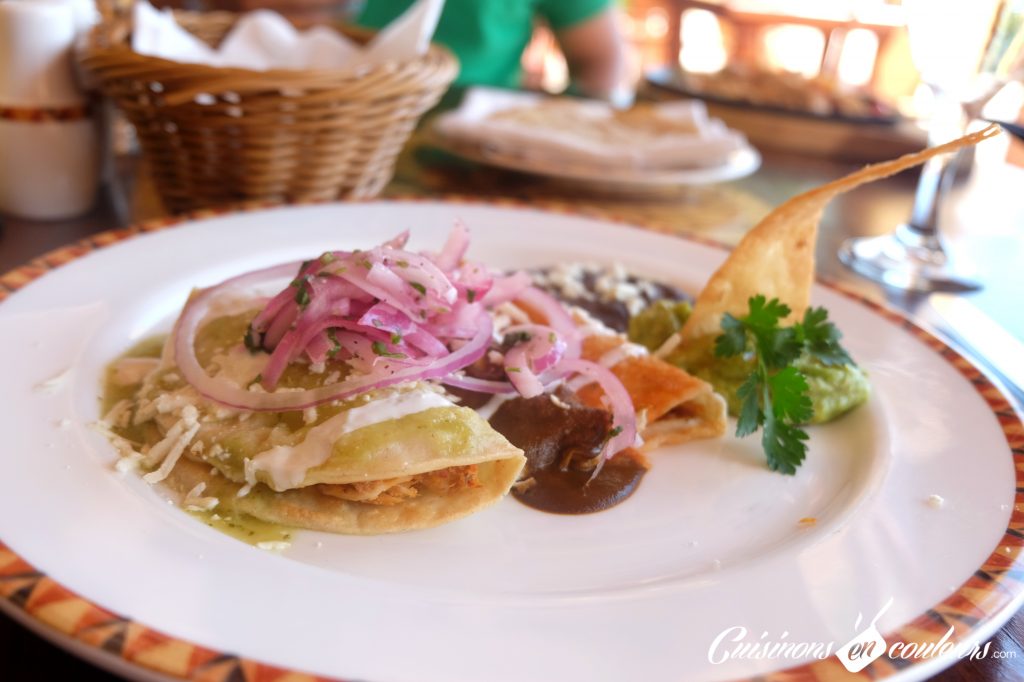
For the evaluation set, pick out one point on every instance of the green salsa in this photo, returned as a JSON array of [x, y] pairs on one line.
[[238, 525]]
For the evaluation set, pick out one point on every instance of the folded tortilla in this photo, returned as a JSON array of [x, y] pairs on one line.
[[389, 460], [674, 406]]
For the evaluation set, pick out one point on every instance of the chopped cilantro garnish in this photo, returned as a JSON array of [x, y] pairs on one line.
[[418, 287], [552, 337], [327, 257], [396, 338], [516, 338], [302, 295], [382, 350], [470, 295], [335, 344], [775, 396], [366, 263], [402, 263], [252, 340], [513, 369], [614, 432]]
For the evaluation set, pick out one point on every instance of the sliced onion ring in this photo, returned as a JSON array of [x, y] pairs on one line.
[[623, 412]]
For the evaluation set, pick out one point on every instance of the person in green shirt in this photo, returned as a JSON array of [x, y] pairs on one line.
[[488, 37]]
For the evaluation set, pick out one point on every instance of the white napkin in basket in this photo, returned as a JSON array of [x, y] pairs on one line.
[[263, 40]]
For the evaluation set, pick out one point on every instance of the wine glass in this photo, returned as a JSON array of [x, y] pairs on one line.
[[966, 52]]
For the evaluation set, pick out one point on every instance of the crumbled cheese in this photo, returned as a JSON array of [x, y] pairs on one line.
[[317, 367], [332, 378], [172, 402], [590, 325], [249, 467], [218, 452], [127, 463], [54, 383], [197, 447], [309, 415], [170, 378], [495, 357], [566, 278], [935, 501], [273, 545]]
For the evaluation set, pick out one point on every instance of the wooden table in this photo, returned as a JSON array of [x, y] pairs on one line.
[[721, 212]]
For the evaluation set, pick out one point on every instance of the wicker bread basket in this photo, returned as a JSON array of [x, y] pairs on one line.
[[219, 135]]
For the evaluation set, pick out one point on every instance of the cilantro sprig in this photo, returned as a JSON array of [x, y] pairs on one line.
[[776, 396]]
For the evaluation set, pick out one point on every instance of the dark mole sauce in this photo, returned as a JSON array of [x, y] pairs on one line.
[[560, 444], [560, 441]]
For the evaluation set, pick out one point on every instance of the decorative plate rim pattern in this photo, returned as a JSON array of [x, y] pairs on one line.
[[994, 586]]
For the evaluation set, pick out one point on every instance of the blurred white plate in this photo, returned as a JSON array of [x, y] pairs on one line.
[[740, 164]]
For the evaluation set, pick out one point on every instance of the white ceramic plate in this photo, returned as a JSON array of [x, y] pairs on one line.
[[740, 164], [711, 540]]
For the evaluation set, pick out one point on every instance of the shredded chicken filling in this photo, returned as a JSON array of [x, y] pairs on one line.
[[396, 490]]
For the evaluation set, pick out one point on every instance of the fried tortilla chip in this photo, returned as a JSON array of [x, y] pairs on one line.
[[776, 258], [678, 407]]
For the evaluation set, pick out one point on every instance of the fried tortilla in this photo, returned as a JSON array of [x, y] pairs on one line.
[[675, 406], [776, 258]]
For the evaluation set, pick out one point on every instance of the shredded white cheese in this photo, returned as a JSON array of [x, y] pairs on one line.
[[195, 502], [273, 545], [172, 457]]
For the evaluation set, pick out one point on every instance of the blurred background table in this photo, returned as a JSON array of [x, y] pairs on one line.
[[984, 221]]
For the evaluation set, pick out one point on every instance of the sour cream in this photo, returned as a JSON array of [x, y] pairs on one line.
[[287, 465]]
